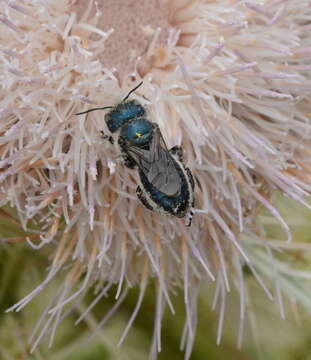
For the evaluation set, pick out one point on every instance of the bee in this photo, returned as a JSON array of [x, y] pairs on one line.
[[166, 184]]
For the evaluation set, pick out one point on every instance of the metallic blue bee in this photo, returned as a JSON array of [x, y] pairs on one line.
[[166, 185]]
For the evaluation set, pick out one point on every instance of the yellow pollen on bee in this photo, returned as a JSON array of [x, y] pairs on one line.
[[85, 43], [138, 134]]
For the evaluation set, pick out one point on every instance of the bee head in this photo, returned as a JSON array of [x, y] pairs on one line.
[[123, 113]]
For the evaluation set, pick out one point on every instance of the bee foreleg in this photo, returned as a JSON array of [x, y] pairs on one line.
[[107, 137]]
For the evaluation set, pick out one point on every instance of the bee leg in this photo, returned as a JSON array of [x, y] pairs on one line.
[[107, 137], [190, 177], [128, 162], [190, 218], [177, 151], [142, 198]]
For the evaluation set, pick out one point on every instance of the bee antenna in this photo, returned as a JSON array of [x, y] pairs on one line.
[[94, 109], [135, 88]]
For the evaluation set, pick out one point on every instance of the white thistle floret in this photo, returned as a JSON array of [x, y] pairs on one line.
[[231, 83]]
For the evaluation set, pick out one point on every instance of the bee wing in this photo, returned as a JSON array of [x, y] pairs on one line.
[[140, 156], [157, 164]]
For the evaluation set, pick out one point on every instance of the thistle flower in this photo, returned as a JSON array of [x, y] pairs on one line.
[[228, 80]]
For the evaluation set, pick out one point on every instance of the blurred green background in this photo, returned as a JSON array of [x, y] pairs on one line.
[[272, 338]]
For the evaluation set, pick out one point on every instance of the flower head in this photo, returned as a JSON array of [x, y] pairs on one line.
[[227, 80]]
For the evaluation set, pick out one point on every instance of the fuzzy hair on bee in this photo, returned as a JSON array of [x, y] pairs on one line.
[[166, 185]]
